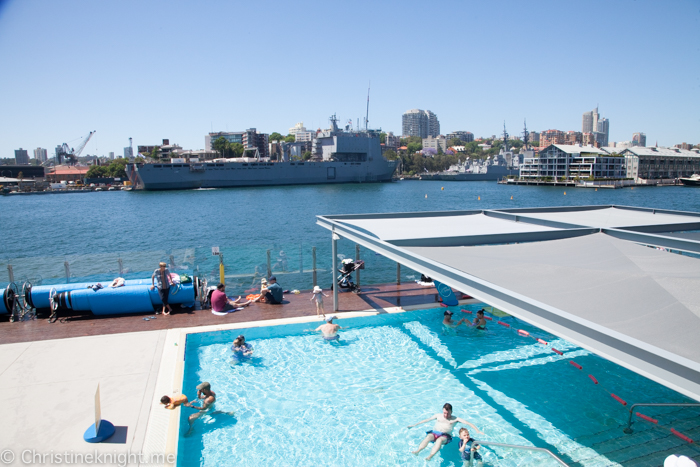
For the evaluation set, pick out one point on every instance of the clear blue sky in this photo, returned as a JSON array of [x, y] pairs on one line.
[[178, 69]]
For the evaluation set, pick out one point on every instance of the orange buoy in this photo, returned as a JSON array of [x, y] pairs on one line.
[[479, 198], [442, 188], [511, 197], [565, 193]]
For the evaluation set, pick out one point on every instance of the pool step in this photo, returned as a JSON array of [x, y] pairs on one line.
[[647, 446]]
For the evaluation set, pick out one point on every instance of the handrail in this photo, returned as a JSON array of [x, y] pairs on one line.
[[517, 446], [629, 430]]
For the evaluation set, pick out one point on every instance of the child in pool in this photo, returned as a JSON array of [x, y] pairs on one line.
[[174, 401], [468, 449]]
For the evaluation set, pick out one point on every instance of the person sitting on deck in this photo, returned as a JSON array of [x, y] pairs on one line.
[[271, 294], [222, 304], [447, 320], [441, 434], [329, 330], [479, 321]]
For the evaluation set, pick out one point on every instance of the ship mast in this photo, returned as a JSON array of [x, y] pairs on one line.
[[526, 135], [505, 136], [367, 116]]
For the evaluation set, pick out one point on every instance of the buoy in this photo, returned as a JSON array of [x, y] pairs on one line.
[[466, 311], [442, 188], [442, 304], [596, 189], [426, 196], [541, 341], [557, 351], [576, 364], [618, 399], [565, 193], [681, 436], [479, 198], [644, 417], [503, 324], [511, 197], [488, 318], [595, 381], [523, 333]]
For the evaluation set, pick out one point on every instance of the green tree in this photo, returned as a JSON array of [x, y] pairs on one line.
[[306, 156], [117, 169], [97, 171], [220, 145], [274, 136], [382, 138], [290, 139], [390, 154], [235, 149], [155, 153], [455, 142], [414, 147]]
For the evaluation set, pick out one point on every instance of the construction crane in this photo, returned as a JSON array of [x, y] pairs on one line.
[[70, 155]]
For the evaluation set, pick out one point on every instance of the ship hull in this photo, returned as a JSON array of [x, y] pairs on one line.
[[239, 174], [493, 174]]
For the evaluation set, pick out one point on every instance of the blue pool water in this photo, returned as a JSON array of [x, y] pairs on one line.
[[303, 401]]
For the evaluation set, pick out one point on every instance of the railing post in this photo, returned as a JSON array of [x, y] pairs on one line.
[[334, 266], [10, 273], [398, 273], [269, 268], [121, 267], [66, 266], [301, 261], [357, 258], [313, 265]]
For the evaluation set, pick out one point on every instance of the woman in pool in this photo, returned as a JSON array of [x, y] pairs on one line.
[[241, 348], [441, 433], [479, 321]]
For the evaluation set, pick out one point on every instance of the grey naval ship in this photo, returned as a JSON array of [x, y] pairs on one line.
[[338, 156]]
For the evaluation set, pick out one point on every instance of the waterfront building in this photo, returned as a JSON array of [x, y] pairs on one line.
[[639, 139], [552, 137], [421, 123], [301, 133], [21, 157], [67, 173], [463, 136], [659, 163], [41, 154], [571, 162], [438, 143], [229, 136], [254, 140], [392, 141]]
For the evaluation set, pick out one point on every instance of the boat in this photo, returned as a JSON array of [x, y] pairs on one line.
[[693, 180], [493, 168], [338, 156]]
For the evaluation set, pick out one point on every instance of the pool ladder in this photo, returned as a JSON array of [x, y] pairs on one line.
[[517, 446], [629, 430]]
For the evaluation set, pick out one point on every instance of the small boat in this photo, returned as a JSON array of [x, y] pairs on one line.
[[693, 180]]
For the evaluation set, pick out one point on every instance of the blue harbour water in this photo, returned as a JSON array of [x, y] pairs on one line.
[[92, 232], [303, 401]]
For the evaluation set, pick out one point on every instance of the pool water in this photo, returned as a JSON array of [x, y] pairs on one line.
[[303, 401]]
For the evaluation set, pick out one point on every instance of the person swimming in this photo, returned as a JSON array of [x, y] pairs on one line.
[[479, 321], [329, 330], [241, 348], [441, 433], [447, 319]]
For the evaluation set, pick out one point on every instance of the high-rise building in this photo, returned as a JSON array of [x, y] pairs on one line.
[[639, 139], [111, 155], [421, 123], [552, 137], [41, 154], [128, 152], [21, 157], [600, 127], [301, 133]]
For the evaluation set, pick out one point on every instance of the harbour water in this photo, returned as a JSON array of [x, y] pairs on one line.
[[101, 235]]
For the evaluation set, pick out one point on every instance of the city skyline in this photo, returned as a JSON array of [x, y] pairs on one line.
[[147, 70]]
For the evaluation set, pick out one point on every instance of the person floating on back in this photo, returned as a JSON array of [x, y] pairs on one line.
[[441, 434], [317, 296]]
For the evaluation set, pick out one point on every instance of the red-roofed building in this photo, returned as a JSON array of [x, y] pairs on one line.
[[67, 173]]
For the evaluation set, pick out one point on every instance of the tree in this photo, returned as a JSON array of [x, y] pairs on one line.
[[96, 171], [414, 147], [390, 155], [236, 149], [290, 139], [274, 136], [455, 142], [155, 153], [382, 138], [219, 145], [306, 156], [117, 169]]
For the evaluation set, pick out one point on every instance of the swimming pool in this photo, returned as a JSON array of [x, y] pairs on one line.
[[303, 401]]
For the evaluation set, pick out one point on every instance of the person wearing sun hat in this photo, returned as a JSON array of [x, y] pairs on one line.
[[317, 295], [329, 330]]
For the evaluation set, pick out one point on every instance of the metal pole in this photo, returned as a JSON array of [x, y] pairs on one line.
[[629, 430], [121, 267], [10, 273], [334, 252], [357, 258], [301, 261], [398, 273], [313, 265], [222, 274], [66, 266], [269, 268]]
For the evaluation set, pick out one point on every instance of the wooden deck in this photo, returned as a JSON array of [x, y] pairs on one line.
[[372, 297]]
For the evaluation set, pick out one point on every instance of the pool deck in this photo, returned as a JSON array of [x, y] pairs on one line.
[[373, 297], [49, 373]]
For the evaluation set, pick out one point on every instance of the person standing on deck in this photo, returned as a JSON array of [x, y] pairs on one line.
[[161, 276], [317, 296]]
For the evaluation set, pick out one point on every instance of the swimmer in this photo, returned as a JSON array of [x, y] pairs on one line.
[[441, 433], [174, 401], [241, 348], [468, 449], [209, 398], [479, 321], [329, 330], [447, 320]]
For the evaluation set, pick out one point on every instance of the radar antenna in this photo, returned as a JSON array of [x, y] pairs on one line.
[[505, 136], [526, 135], [367, 117]]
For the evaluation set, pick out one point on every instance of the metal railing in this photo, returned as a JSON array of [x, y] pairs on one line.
[[629, 430], [527, 448]]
